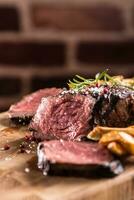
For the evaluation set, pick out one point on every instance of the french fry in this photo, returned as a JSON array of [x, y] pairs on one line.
[[117, 148], [123, 138], [99, 131], [128, 142], [109, 137]]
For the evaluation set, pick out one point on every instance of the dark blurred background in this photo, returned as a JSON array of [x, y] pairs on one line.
[[44, 43]]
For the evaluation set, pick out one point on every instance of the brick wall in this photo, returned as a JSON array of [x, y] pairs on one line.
[[46, 42]]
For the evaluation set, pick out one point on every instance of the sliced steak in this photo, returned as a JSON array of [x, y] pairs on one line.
[[23, 111], [65, 116], [59, 157], [115, 108]]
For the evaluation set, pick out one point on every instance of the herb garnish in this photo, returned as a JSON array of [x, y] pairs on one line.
[[79, 82]]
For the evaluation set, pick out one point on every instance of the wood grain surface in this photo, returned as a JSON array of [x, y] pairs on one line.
[[19, 183]]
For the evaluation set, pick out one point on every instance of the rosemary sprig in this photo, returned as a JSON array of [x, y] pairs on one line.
[[80, 82]]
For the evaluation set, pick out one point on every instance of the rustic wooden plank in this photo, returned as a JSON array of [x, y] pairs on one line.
[[16, 184]]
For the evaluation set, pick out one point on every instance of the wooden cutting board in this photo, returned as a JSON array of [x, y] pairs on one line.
[[21, 180]]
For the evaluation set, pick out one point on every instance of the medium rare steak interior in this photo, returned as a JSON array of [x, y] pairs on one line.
[[66, 116], [23, 111], [61, 157]]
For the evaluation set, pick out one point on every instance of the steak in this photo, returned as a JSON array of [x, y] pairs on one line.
[[23, 111], [59, 157], [71, 115], [115, 108], [66, 116]]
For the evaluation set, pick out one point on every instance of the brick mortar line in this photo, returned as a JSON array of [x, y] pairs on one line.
[[28, 73], [51, 72], [70, 55], [25, 15], [126, 19], [23, 74], [67, 2], [78, 35], [9, 2], [130, 28], [80, 2], [14, 71], [63, 37]]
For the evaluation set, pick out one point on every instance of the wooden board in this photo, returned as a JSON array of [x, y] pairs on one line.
[[17, 184]]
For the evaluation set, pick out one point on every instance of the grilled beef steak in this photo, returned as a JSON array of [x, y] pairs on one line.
[[59, 157], [115, 107], [69, 116], [23, 111], [64, 116]]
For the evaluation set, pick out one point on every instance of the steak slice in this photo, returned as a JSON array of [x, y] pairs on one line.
[[65, 116], [115, 108], [23, 111], [61, 157]]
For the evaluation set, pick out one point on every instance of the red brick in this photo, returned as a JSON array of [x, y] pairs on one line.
[[106, 53], [10, 86], [9, 19], [132, 16], [42, 82], [94, 17], [32, 53]]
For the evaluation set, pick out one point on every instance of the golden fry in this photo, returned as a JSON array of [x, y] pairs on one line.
[[99, 131], [109, 137], [116, 148], [126, 140]]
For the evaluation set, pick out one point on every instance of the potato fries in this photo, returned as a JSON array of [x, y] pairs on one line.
[[119, 141], [116, 148], [99, 131]]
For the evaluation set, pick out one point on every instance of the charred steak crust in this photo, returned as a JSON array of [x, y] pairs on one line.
[[23, 111], [115, 108], [59, 157], [64, 116], [22, 121]]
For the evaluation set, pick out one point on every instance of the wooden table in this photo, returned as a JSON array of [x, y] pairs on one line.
[[21, 180]]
